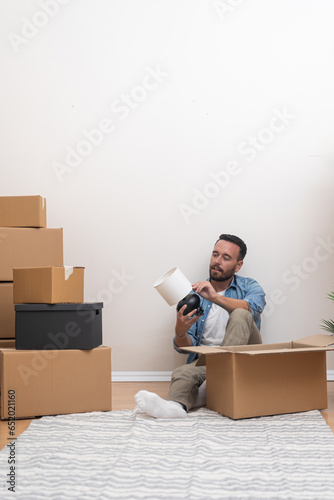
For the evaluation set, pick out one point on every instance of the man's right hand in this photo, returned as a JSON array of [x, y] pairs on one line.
[[183, 323]]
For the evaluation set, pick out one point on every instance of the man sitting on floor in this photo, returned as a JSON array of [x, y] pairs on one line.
[[232, 307]]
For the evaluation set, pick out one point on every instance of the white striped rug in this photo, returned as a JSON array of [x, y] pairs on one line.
[[128, 455]]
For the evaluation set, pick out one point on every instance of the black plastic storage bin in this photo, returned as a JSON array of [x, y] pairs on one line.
[[58, 326]]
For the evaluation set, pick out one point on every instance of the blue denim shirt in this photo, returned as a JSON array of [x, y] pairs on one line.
[[240, 288]]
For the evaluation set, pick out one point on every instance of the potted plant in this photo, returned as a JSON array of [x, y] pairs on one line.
[[329, 324]]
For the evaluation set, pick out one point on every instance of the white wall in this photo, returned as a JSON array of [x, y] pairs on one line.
[[182, 89]]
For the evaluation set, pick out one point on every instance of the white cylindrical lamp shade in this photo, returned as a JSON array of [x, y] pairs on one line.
[[173, 286]]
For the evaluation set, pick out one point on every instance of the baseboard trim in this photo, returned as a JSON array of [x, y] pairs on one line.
[[163, 376], [141, 376]]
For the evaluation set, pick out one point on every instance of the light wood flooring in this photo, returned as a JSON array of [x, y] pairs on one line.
[[123, 399]]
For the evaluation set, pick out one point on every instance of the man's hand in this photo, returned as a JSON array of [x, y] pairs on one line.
[[205, 290], [183, 323]]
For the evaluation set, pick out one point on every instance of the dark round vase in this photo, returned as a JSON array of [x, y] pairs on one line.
[[192, 300]]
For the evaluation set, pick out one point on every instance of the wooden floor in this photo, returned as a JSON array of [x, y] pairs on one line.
[[123, 399]]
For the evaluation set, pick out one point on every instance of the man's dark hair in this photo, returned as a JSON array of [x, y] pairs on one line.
[[234, 239]]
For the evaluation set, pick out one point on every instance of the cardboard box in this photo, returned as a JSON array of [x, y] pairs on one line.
[[27, 247], [22, 211], [7, 312], [48, 285], [54, 382], [7, 343], [266, 379], [58, 326]]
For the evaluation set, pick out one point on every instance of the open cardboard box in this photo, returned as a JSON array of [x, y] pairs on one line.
[[48, 285], [266, 379], [54, 382], [22, 211]]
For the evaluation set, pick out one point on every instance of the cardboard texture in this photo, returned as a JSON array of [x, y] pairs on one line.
[[58, 326], [48, 285], [55, 382], [22, 211], [7, 312], [6, 343], [27, 247], [266, 379]]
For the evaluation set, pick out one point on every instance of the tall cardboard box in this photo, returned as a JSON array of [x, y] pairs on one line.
[[266, 379], [7, 311], [48, 285], [54, 382], [29, 247], [22, 211]]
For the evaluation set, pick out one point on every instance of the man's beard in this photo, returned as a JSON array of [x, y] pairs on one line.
[[221, 276]]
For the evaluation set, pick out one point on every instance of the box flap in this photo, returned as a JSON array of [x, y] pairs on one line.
[[319, 340], [284, 351], [320, 343], [248, 348], [203, 349]]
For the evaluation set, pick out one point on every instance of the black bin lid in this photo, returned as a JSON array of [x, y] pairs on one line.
[[83, 306]]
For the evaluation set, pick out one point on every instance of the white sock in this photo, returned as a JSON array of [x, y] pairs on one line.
[[157, 407], [201, 396]]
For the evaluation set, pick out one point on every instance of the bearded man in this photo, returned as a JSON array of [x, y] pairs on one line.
[[232, 307]]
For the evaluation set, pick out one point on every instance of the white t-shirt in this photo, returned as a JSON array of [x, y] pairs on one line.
[[215, 325]]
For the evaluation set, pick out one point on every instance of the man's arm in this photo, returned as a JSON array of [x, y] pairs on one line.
[[206, 290], [230, 304], [255, 297]]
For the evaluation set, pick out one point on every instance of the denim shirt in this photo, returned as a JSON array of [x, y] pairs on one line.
[[240, 288]]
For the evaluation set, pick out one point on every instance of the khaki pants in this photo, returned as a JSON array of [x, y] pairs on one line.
[[240, 330]]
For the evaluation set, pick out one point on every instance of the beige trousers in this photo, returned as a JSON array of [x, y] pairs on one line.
[[240, 330]]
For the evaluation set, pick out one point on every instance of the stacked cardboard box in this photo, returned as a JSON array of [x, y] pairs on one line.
[[59, 364], [51, 313], [24, 241]]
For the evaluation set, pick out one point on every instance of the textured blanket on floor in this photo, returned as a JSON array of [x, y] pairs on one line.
[[128, 455]]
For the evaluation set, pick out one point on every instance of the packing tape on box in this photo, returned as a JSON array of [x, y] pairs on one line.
[[68, 271]]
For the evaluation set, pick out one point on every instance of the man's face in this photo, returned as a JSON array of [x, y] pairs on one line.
[[224, 261]]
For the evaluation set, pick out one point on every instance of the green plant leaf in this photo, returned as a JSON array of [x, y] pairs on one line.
[[328, 325]]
